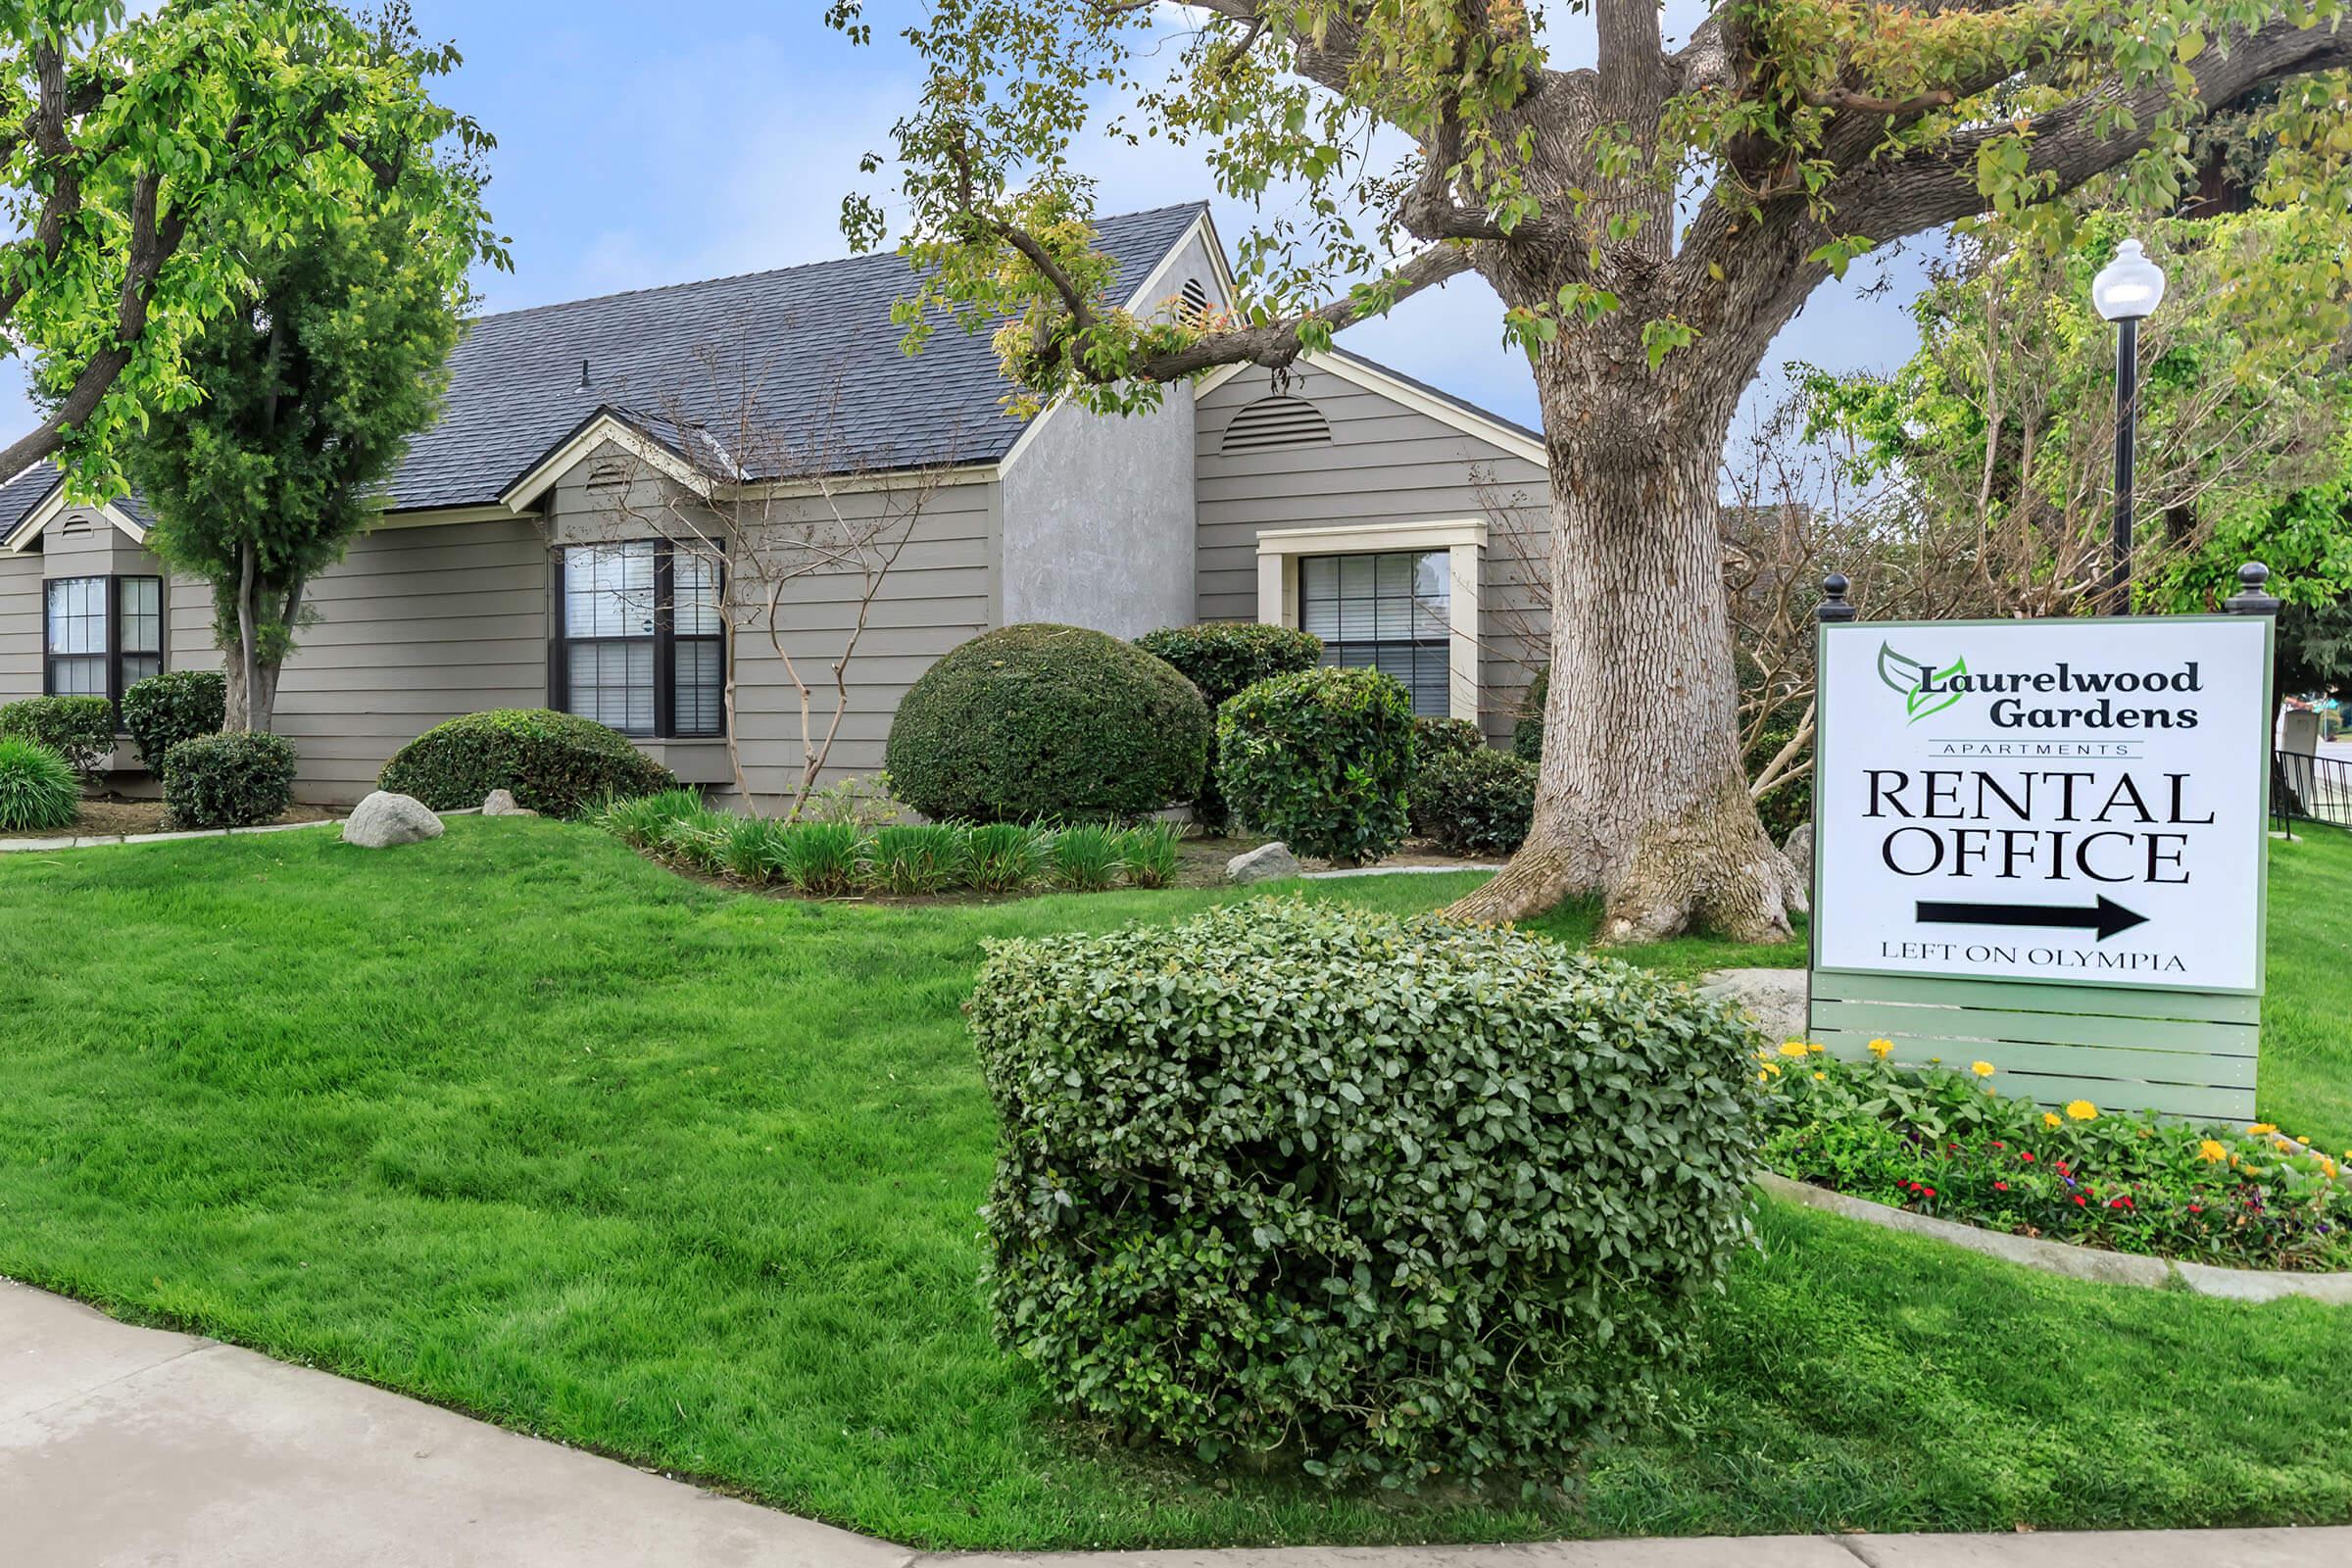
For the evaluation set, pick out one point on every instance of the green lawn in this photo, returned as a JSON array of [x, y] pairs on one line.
[[523, 1124]]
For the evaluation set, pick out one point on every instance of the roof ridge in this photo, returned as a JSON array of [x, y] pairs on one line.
[[776, 272]]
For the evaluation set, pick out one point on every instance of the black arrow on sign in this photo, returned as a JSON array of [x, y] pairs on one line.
[[2106, 917]]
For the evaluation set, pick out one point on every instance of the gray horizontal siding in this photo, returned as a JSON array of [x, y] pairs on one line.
[[1386, 462]]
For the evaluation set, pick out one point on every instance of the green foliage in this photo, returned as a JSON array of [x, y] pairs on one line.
[[1475, 802], [79, 729], [1527, 735], [640, 820], [38, 789], [1321, 759], [1002, 856], [1434, 737], [178, 705], [1225, 659], [915, 859], [309, 391], [1086, 858], [1149, 854], [267, 123], [556, 763], [1282, 1164], [1043, 723], [232, 780], [817, 859], [1948, 1143]]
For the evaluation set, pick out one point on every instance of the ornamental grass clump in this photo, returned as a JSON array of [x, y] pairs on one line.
[[1954, 1144], [38, 789], [1086, 858], [1000, 856], [917, 859], [1149, 854], [1394, 1199], [821, 859], [640, 821]]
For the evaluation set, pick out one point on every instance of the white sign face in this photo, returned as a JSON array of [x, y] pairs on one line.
[[2049, 799]]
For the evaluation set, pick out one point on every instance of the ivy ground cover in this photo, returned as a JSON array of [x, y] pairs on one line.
[[520, 1122]]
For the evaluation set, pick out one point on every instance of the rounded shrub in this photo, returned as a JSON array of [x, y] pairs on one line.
[[1408, 1197], [79, 729], [1475, 802], [1445, 737], [178, 705], [1048, 722], [556, 763], [1225, 659], [38, 789], [232, 780], [1321, 759]]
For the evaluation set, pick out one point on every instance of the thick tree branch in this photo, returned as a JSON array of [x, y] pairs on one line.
[[1277, 343], [1937, 185]]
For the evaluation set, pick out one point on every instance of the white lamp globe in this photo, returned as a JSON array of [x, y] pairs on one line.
[[2129, 288]]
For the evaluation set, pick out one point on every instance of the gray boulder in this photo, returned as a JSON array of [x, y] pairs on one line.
[[502, 802], [1774, 998], [1799, 849], [1268, 863], [382, 821]]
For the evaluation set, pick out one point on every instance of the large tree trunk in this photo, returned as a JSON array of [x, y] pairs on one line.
[[254, 709], [1641, 798]]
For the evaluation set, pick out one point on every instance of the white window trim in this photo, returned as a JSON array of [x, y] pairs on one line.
[[1464, 540]]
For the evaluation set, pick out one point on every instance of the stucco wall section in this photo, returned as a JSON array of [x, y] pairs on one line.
[[1099, 521], [1387, 462]]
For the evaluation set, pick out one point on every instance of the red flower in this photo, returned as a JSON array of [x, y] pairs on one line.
[[2196, 1208], [1929, 1192], [1997, 1143], [2027, 1157], [2000, 1186], [2077, 1199]]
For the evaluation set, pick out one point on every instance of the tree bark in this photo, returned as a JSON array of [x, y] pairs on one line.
[[1641, 798]]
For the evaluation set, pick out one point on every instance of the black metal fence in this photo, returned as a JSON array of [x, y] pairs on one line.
[[2311, 789]]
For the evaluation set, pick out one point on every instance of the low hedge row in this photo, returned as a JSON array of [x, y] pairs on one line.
[[230, 780], [1948, 1141], [831, 858], [79, 729]]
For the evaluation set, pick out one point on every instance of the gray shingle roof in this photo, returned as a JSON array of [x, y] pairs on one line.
[[801, 334], [25, 492]]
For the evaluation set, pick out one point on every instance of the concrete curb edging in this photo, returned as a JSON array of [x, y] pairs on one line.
[[2073, 1262], [78, 842]]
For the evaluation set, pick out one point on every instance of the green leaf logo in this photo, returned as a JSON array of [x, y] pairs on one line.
[[1909, 675]]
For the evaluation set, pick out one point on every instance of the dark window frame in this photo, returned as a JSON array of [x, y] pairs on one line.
[[115, 653], [1364, 652], [665, 638]]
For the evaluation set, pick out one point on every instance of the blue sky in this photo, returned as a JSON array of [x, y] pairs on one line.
[[721, 138]]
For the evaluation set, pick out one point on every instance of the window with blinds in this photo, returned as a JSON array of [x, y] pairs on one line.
[[101, 634], [1388, 611], [643, 647]]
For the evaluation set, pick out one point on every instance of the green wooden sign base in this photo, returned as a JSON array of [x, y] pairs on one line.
[[2179, 1053]]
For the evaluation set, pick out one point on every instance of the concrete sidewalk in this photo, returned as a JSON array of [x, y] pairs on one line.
[[123, 1446]]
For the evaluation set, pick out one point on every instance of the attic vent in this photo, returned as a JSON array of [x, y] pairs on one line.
[[1194, 301], [1276, 424], [74, 525], [613, 473]]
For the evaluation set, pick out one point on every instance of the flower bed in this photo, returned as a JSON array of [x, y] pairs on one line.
[[1950, 1144]]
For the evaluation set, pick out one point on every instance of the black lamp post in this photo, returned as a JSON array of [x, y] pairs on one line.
[[2127, 290]]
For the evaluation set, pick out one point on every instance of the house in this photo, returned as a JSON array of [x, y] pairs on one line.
[[1401, 523]]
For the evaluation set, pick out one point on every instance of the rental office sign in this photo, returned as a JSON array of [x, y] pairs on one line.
[[2078, 803]]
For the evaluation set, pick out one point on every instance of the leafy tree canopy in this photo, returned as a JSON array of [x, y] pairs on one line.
[[146, 163], [1450, 124]]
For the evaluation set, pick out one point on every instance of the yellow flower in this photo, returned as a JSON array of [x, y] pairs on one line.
[[1772, 1070], [2050, 1118], [2261, 1127], [1794, 1048], [2082, 1111], [2212, 1152], [1821, 1077], [1817, 1049], [1983, 1069], [2302, 1140], [1881, 1048]]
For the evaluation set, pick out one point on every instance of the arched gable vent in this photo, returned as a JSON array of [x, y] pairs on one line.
[[76, 526], [1275, 424], [1194, 300]]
